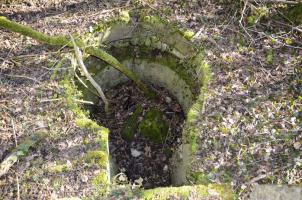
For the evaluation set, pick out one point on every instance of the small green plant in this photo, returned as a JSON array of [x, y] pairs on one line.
[[270, 56], [57, 183], [257, 14], [288, 41], [188, 34], [58, 168], [124, 16], [295, 14], [100, 179]]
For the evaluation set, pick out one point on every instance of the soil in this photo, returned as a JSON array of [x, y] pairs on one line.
[[153, 164]]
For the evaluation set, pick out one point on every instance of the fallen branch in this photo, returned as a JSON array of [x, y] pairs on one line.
[[63, 40], [296, 28], [20, 151], [21, 76], [60, 99], [274, 1], [79, 57]]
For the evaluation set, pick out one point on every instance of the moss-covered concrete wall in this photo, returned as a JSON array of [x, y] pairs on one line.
[[159, 54]]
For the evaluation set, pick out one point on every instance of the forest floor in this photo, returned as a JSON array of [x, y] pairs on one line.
[[250, 130]]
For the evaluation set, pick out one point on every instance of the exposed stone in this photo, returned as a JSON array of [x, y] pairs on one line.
[[276, 192], [135, 153], [168, 100], [84, 178]]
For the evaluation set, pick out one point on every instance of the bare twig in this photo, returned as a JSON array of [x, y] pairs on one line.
[[79, 79], [21, 76], [296, 28], [275, 1], [20, 57], [59, 99], [79, 56], [241, 19], [63, 40], [84, 102], [16, 143], [270, 37], [18, 187], [49, 100]]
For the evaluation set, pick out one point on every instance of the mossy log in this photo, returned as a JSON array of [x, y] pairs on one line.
[[64, 40], [20, 151]]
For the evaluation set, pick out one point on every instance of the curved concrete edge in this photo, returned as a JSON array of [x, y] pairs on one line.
[[162, 75], [211, 191], [184, 156], [215, 191], [153, 73], [149, 31]]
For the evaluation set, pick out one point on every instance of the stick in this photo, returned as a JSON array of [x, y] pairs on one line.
[[275, 1], [18, 187], [59, 99], [17, 178], [241, 18], [79, 56], [292, 27], [21, 76]]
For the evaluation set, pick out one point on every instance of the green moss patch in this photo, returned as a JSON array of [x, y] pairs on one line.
[[58, 168], [154, 126], [295, 14], [190, 192], [97, 157], [100, 157], [131, 124]]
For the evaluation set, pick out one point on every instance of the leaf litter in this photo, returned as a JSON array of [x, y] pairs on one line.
[[141, 158]]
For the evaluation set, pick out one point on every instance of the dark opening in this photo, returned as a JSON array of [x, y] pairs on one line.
[[132, 142]]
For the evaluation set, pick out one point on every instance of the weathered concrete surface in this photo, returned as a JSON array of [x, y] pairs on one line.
[[154, 73], [276, 192]]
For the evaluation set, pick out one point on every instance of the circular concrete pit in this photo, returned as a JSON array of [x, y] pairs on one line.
[[160, 55]]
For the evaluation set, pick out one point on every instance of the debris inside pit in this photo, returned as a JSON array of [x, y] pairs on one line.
[[144, 132]]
